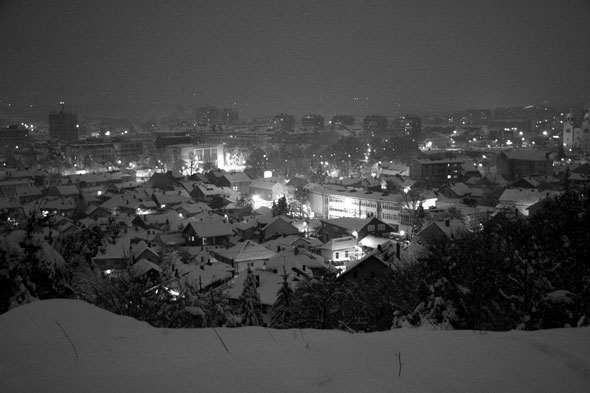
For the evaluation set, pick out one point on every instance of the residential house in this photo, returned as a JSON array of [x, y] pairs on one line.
[[116, 256], [9, 187], [70, 191], [517, 200], [455, 190], [268, 189], [171, 198], [525, 182], [206, 232], [244, 255], [298, 262], [277, 227], [449, 229], [340, 251], [29, 194], [96, 212], [311, 244], [164, 181], [237, 181], [356, 227], [146, 269], [203, 276], [168, 241], [368, 267], [141, 250], [192, 209], [205, 192]]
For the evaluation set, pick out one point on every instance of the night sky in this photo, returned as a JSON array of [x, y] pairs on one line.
[[265, 57]]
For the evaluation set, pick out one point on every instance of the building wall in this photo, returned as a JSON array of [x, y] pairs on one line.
[[326, 204], [63, 126], [436, 173]]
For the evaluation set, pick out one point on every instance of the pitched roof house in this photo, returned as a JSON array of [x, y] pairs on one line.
[[212, 231], [244, 255]]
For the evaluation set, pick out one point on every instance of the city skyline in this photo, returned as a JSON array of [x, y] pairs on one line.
[[263, 58]]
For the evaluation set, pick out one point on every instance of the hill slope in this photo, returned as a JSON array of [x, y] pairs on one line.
[[71, 346]]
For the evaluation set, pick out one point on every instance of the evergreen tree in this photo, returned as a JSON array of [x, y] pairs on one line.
[[250, 306], [281, 309], [282, 206]]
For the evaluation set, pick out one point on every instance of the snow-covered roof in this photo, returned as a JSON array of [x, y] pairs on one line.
[[341, 243], [211, 228], [267, 290], [245, 251], [142, 267]]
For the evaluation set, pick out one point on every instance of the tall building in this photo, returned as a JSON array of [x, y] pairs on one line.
[[210, 115], [410, 125], [63, 126], [13, 136], [343, 121], [375, 124], [312, 122], [435, 173], [575, 135], [284, 122]]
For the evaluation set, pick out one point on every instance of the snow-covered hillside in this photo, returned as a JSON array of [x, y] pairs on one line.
[[71, 346]]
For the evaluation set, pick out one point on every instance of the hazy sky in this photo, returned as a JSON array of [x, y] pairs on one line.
[[296, 56]]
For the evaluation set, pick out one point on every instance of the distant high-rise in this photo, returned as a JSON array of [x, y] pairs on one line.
[[375, 124], [312, 122], [284, 122], [211, 115], [343, 121], [410, 125], [63, 126]]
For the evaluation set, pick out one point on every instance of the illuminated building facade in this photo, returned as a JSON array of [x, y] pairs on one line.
[[336, 201], [195, 155], [576, 136]]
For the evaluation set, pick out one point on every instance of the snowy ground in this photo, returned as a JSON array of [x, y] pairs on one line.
[[110, 353]]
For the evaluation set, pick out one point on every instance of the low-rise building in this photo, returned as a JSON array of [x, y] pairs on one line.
[[514, 164]]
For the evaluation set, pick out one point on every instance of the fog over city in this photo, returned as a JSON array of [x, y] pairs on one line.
[[265, 57]]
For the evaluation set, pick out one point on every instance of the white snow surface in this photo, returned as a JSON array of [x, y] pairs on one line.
[[111, 353]]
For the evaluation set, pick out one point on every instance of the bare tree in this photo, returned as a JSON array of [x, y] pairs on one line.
[[412, 212]]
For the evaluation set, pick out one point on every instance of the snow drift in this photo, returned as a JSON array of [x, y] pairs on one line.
[[72, 346]]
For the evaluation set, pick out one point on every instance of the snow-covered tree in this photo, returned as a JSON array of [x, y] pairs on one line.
[[281, 309], [250, 307]]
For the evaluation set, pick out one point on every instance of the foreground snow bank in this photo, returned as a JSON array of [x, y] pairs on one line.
[[71, 346]]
